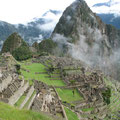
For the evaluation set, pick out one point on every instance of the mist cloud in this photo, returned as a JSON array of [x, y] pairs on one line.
[[113, 7], [50, 20], [97, 54]]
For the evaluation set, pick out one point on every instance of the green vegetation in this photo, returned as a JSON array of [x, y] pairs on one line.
[[22, 53], [26, 105], [114, 105], [10, 113], [71, 115], [17, 47], [37, 67], [18, 69], [106, 95], [19, 102], [47, 46], [87, 109], [11, 43], [68, 96]]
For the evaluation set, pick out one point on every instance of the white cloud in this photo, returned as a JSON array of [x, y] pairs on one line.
[[92, 2], [51, 20], [114, 6], [22, 11], [48, 26]]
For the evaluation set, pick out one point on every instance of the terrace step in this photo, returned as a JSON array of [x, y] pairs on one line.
[[16, 96], [55, 76], [31, 101], [13, 88], [30, 92], [56, 73], [56, 79], [40, 72], [82, 105]]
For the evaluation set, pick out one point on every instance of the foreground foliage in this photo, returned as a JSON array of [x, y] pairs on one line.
[[10, 113]]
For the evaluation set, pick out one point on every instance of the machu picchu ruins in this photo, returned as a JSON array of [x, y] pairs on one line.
[[64, 65], [84, 85]]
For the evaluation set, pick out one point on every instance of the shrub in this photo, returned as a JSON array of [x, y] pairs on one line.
[[106, 95]]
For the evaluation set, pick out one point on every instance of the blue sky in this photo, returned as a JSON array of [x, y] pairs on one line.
[[22, 11]]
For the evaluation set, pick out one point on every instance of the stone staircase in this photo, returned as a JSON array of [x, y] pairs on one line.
[[29, 94], [31, 101], [11, 88], [15, 97]]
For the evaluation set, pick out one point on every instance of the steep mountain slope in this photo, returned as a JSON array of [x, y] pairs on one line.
[[82, 35], [16, 46]]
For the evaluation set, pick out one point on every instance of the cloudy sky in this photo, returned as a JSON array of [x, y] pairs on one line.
[[22, 11]]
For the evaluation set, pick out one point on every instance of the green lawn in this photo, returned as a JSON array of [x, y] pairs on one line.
[[87, 109], [67, 95], [37, 67], [71, 115], [10, 113]]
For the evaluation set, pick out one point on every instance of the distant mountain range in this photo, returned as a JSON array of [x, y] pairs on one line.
[[110, 19], [109, 12], [36, 30], [41, 28]]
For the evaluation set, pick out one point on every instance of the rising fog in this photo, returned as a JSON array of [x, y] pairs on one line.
[[92, 49]]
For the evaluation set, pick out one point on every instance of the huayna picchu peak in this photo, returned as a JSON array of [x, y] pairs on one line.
[[74, 74], [80, 33]]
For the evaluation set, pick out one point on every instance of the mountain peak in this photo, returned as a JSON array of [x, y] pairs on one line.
[[12, 42], [73, 17], [80, 33], [17, 47]]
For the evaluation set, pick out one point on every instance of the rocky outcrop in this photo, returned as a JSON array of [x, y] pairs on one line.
[[80, 27]]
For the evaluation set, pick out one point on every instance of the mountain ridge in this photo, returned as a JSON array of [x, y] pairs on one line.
[[31, 32]]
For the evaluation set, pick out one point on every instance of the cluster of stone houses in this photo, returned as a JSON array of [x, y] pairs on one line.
[[73, 73], [90, 84], [47, 100]]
